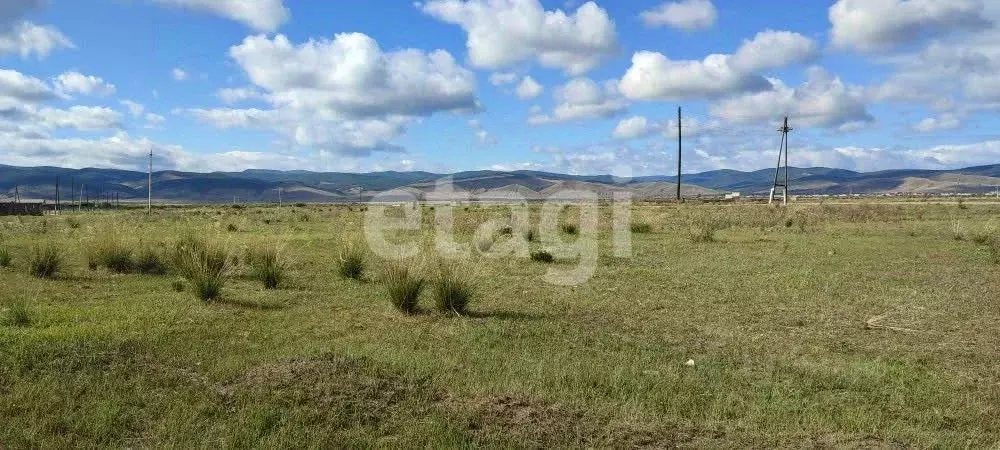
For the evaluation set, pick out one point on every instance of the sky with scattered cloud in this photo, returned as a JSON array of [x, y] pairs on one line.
[[584, 87]]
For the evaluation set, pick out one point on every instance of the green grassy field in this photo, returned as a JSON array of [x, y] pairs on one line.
[[772, 309]]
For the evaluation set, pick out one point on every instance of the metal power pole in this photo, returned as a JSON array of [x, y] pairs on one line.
[[149, 198], [782, 150], [679, 153]]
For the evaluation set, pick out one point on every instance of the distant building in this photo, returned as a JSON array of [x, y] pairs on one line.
[[733, 196]]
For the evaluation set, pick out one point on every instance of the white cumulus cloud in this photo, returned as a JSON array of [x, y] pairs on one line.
[[24, 37], [582, 98], [506, 32], [879, 25], [261, 15], [346, 95], [686, 15], [633, 127], [653, 76], [74, 82], [529, 88], [946, 121], [823, 100]]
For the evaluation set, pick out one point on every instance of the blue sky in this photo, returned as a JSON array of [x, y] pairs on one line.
[[447, 85]]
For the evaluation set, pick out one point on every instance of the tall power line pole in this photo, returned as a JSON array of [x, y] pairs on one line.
[[149, 198], [57, 195], [678, 153], [782, 150]]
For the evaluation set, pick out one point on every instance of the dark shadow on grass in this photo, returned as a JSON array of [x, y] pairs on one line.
[[262, 306], [504, 315]]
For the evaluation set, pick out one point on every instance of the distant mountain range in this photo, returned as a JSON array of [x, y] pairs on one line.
[[305, 186]]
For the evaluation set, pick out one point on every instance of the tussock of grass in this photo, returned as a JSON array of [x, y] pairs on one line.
[[641, 227], [150, 262], [403, 283], [268, 266], [46, 261], [569, 228], [17, 315], [352, 262], [541, 256], [6, 259], [453, 290], [206, 267], [703, 228], [531, 236], [112, 254], [73, 222], [484, 244]]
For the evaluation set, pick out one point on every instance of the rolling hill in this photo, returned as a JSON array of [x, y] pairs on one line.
[[263, 185]]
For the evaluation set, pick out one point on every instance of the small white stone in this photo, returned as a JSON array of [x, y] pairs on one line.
[[689, 363]]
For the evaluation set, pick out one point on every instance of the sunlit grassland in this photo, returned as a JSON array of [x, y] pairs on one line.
[[772, 310]]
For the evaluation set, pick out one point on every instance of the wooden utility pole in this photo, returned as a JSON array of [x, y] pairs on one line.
[[279, 196], [17, 194], [782, 150], [149, 198], [678, 153]]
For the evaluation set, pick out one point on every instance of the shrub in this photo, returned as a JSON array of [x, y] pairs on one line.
[[452, 290], [232, 228], [267, 266], [5, 257], [541, 256], [403, 284], [149, 262], [206, 267], [73, 222], [46, 261], [506, 231], [351, 263], [300, 205], [531, 236], [569, 228], [641, 227], [18, 315]]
